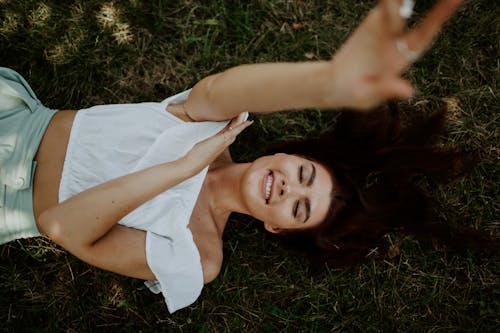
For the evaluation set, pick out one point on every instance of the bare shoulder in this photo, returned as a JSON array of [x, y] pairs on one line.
[[207, 238], [210, 248]]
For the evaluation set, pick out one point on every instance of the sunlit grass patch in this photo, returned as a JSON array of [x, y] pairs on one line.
[[40, 15], [122, 33], [10, 23], [109, 18], [66, 50], [108, 15]]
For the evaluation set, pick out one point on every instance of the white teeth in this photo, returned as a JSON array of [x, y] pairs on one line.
[[269, 183]]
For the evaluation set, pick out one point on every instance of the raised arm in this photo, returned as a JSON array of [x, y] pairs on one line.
[[366, 70]]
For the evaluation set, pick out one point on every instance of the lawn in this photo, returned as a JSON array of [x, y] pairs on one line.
[[76, 54]]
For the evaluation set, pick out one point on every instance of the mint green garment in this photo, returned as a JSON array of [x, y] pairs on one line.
[[23, 121]]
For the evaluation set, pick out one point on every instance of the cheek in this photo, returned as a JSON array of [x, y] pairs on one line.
[[250, 192], [280, 216]]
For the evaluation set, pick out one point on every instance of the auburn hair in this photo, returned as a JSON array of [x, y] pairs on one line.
[[375, 164]]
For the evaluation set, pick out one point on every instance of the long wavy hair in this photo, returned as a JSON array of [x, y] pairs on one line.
[[375, 164]]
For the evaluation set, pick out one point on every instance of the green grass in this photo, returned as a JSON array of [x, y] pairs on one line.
[[78, 54]]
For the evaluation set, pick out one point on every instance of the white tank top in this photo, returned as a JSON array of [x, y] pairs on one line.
[[110, 141]]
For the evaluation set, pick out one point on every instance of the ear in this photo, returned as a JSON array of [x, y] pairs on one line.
[[272, 229]]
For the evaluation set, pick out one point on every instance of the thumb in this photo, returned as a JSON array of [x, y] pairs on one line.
[[394, 88]]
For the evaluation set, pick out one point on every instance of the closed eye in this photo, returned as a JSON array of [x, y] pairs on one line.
[[307, 203], [313, 175], [296, 208]]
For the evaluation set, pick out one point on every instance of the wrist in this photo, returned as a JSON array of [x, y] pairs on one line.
[[330, 86], [190, 165]]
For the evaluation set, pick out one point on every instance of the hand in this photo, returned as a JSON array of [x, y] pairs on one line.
[[205, 152], [369, 65]]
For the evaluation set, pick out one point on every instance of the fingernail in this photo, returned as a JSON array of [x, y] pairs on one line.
[[406, 9]]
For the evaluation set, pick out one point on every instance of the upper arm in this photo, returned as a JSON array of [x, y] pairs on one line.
[[122, 250], [200, 104]]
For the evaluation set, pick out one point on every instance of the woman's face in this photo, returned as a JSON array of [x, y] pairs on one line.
[[287, 191]]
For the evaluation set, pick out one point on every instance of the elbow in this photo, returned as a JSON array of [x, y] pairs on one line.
[[203, 102], [54, 224], [209, 277], [211, 270], [50, 226]]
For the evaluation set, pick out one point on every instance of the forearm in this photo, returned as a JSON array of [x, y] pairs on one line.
[[86, 217], [261, 88]]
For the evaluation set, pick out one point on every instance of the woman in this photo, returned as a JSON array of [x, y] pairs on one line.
[[80, 192]]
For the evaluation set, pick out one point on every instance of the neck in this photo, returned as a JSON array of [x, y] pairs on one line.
[[222, 188]]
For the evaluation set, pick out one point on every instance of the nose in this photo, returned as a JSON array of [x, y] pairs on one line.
[[287, 188], [284, 189]]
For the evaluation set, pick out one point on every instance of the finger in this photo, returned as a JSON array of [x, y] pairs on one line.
[[235, 124], [242, 117], [406, 9], [391, 13], [236, 130], [239, 119], [230, 133], [393, 88], [420, 38]]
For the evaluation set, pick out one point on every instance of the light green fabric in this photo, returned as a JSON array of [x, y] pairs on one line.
[[23, 121]]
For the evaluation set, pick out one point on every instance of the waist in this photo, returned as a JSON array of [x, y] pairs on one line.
[[50, 161]]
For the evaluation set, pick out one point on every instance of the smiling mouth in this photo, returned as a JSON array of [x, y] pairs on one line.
[[268, 184]]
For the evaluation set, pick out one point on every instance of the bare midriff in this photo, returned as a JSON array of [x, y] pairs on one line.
[[50, 161]]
